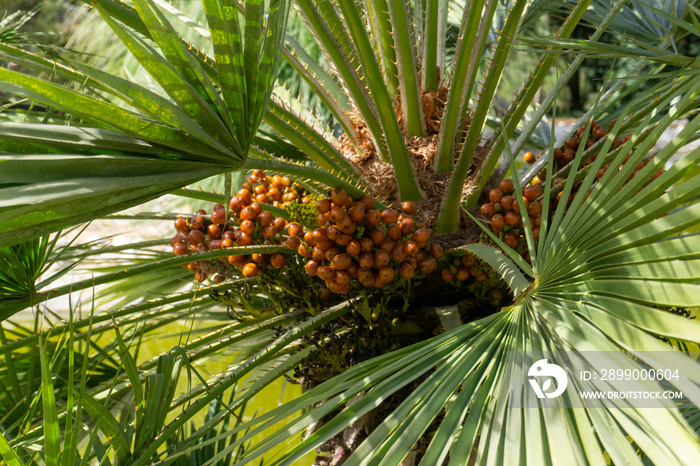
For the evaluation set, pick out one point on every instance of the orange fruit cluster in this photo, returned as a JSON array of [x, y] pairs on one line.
[[356, 243], [565, 154], [254, 226], [640, 165], [461, 268], [473, 274], [505, 214], [276, 190]]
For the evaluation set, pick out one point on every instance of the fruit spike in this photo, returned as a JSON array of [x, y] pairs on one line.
[[503, 210], [255, 226], [356, 245], [506, 219], [343, 244]]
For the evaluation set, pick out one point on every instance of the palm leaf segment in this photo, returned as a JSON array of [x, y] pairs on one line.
[[147, 143], [10, 27], [20, 268]]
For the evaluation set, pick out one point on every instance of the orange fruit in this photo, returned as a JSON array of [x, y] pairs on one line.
[[312, 266], [250, 270], [339, 196], [381, 258], [294, 229], [341, 261], [323, 206], [511, 239], [421, 235], [181, 224], [344, 239], [390, 216], [506, 186], [427, 266], [498, 222], [244, 195], [408, 207], [436, 251], [394, 232], [386, 274], [180, 249], [447, 276], [406, 271], [407, 225], [373, 217], [512, 218], [410, 247], [488, 210], [292, 242], [366, 260], [532, 192], [277, 260], [353, 248], [324, 294], [367, 201]]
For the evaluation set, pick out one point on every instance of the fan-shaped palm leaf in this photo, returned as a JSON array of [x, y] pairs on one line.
[[173, 144]]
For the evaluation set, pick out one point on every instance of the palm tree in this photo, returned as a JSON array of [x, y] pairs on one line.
[[418, 366]]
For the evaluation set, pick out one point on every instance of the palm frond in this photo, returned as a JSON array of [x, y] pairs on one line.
[[197, 106]]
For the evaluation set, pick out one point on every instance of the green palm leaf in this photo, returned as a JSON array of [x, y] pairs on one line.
[[196, 127]]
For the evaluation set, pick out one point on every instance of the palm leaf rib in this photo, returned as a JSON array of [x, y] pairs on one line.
[[182, 61], [323, 84], [307, 138], [463, 76], [110, 115], [433, 51], [276, 26], [405, 178], [226, 39], [91, 197], [149, 103], [448, 220], [409, 84], [331, 44], [184, 89], [380, 23]]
